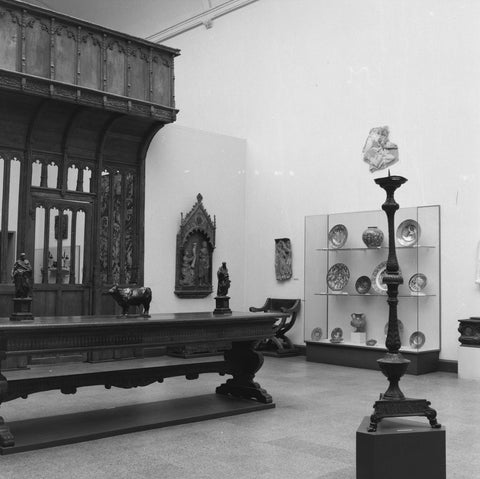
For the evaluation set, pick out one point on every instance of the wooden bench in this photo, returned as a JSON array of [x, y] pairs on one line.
[[237, 333], [279, 344]]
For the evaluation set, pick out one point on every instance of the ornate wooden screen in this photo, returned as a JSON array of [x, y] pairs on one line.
[[79, 105]]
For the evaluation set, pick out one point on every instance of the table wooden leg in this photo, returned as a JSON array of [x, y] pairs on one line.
[[6, 437], [242, 363]]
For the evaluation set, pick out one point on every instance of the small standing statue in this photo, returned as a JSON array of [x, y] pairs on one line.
[[22, 276], [222, 297], [223, 280]]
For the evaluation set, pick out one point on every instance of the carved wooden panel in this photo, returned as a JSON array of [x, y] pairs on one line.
[[37, 45], [9, 39], [161, 79], [116, 67], [90, 59], [118, 220], [139, 73], [65, 39]]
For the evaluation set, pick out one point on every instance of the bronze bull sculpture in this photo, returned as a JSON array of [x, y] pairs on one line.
[[126, 297]]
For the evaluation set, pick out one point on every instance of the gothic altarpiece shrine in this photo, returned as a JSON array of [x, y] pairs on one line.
[[195, 245]]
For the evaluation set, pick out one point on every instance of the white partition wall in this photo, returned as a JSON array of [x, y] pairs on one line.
[[181, 163]]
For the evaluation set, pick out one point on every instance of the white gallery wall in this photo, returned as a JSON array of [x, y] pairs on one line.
[[181, 164], [303, 81]]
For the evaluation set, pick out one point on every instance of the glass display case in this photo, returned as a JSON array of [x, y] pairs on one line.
[[346, 310]]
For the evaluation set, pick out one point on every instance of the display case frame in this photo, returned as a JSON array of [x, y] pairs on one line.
[[327, 310]]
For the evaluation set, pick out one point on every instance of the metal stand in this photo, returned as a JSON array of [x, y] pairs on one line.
[[393, 365]]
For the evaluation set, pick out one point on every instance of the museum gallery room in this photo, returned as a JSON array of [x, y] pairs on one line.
[[239, 239]]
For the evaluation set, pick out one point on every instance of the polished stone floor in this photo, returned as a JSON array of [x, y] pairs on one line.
[[310, 433]]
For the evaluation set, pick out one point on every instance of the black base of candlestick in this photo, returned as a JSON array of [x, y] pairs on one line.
[[222, 305], [384, 408]]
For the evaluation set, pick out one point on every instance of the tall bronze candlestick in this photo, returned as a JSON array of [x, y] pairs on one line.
[[393, 403]]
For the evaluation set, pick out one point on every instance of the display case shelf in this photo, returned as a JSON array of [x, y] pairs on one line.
[[415, 296], [364, 248], [329, 306]]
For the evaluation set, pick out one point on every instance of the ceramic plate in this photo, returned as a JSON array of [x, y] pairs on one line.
[[417, 340], [363, 285], [338, 276], [400, 328], [337, 236], [336, 336], [377, 278], [408, 233], [317, 334], [417, 282]]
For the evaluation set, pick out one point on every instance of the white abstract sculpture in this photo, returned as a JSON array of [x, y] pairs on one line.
[[379, 152]]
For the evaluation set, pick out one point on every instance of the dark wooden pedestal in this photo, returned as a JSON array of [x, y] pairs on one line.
[[400, 449], [366, 357], [22, 309], [222, 305]]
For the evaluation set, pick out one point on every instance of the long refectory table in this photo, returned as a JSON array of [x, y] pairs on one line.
[[235, 333]]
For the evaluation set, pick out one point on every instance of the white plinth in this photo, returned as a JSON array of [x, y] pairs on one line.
[[469, 362], [358, 338]]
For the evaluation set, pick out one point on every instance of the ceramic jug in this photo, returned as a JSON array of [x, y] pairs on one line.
[[359, 322]]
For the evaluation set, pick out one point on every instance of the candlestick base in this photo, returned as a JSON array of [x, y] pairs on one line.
[[384, 408]]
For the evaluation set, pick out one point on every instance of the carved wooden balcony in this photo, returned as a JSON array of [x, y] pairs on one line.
[[48, 54]]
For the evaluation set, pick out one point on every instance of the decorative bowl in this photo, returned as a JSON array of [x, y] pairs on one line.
[[377, 278], [317, 334], [336, 336], [408, 233], [363, 285], [417, 282], [417, 340], [337, 236], [338, 276]]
